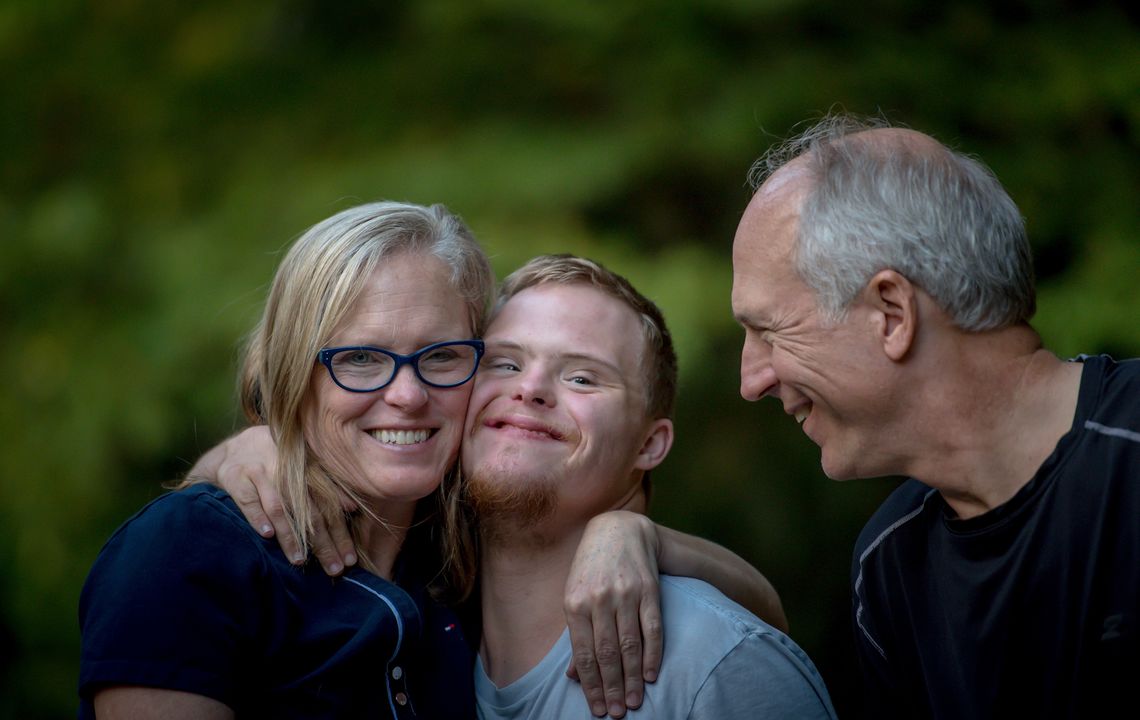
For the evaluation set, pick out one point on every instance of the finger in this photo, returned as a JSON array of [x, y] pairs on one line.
[[652, 637], [286, 538], [629, 643], [243, 491], [607, 651], [583, 664], [325, 549], [341, 537]]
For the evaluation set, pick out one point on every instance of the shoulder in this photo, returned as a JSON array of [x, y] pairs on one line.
[[201, 516], [689, 602], [902, 510], [1108, 392], [199, 506], [727, 660], [707, 627], [187, 532], [1117, 370]]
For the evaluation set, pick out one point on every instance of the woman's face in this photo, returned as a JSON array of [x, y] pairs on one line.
[[393, 445]]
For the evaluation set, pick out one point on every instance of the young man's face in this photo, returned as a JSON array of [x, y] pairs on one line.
[[558, 408]]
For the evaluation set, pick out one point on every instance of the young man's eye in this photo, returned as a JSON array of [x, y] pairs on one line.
[[502, 364]]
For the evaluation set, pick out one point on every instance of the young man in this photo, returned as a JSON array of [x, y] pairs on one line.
[[885, 286], [571, 411]]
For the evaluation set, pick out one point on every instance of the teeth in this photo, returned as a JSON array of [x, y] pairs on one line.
[[802, 414], [401, 437]]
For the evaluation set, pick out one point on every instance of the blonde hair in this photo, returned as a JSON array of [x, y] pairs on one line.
[[313, 291]]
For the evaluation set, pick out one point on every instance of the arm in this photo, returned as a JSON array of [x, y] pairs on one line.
[[691, 556], [143, 703], [173, 601], [613, 608], [243, 465]]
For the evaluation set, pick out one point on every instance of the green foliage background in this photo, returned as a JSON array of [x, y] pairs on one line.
[[157, 158]]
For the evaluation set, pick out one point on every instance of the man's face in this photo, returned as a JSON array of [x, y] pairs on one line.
[[559, 402], [822, 373]]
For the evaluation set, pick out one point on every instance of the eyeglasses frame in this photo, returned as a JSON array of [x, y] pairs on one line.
[[325, 356]]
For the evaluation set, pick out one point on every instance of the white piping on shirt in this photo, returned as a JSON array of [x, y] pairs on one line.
[[1112, 431], [859, 579], [399, 639]]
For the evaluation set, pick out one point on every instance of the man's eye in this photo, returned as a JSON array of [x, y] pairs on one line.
[[580, 380]]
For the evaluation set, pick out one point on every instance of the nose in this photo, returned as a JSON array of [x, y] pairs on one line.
[[406, 391], [534, 387], [757, 377]]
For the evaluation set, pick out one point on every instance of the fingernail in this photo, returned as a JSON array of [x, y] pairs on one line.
[[633, 700], [616, 709], [266, 530], [335, 568], [598, 709], [350, 559], [650, 676], [297, 558]]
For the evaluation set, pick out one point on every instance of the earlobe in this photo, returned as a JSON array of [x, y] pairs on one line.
[[895, 303], [658, 441]]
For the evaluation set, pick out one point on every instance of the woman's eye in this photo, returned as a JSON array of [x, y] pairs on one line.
[[440, 357], [581, 380]]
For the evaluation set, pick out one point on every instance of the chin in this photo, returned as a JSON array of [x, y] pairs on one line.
[[836, 469], [408, 487]]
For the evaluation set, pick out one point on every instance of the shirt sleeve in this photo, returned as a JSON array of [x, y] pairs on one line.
[[765, 675], [172, 601]]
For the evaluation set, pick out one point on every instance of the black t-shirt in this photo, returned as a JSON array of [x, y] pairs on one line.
[[1029, 610], [186, 596]]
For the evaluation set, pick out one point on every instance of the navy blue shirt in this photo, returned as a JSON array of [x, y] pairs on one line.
[[1028, 610], [186, 596]]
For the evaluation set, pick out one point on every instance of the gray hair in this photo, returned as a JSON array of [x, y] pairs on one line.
[[940, 219], [315, 288]]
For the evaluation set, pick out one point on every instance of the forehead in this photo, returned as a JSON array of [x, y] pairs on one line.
[[762, 251], [410, 293], [570, 319]]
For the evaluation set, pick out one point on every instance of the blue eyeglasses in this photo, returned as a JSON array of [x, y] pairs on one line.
[[359, 368]]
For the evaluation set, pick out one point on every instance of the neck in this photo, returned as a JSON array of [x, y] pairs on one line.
[[523, 582], [989, 416], [381, 536]]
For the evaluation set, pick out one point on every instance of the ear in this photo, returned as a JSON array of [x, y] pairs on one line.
[[894, 303], [658, 441]]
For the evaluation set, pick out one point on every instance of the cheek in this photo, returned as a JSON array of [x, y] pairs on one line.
[[328, 416], [480, 396], [453, 403], [793, 361]]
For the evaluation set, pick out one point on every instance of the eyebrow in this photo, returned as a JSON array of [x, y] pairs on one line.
[[585, 357]]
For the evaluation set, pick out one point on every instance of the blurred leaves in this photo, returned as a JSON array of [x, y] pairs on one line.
[[157, 161]]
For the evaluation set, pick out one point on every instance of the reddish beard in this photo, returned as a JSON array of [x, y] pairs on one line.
[[506, 503]]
